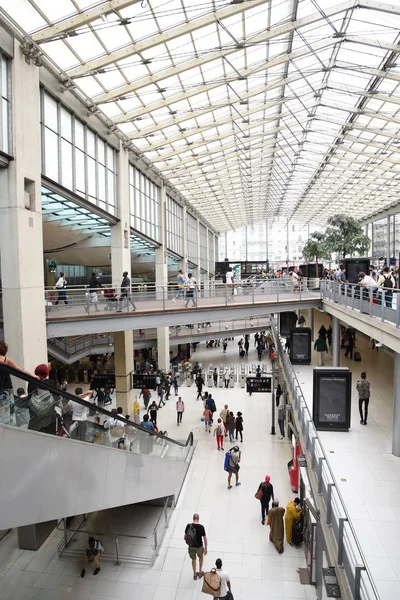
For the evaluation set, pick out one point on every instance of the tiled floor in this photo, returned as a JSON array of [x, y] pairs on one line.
[[231, 519], [368, 475]]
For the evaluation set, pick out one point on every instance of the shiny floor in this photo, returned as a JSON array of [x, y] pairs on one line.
[[367, 474], [231, 517]]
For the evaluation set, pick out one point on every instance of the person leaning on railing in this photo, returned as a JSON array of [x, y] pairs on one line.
[[6, 386]]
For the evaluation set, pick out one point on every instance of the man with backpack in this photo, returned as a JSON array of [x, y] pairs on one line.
[[387, 283], [196, 539]]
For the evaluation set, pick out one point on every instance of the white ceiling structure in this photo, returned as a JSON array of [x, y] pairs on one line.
[[252, 109]]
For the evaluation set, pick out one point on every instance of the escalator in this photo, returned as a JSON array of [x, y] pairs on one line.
[[52, 466]]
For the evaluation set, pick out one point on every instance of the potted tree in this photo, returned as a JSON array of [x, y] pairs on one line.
[[345, 235], [315, 248]]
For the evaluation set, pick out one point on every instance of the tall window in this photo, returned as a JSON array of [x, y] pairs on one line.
[[211, 253], [203, 246], [5, 113], [144, 203], [76, 157], [192, 238], [174, 226]]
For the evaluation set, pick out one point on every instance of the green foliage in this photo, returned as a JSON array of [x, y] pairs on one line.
[[345, 235], [315, 247]]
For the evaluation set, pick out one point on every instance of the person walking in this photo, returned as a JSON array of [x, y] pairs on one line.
[[175, 385], [225, 581], [215, 377], [230, 423], [181, 280], [207, 419], [94, 285], [278, 394], [246, 346], [199, 385], [234, 466], [161, 401], [329, 338], [196, 539], [61, 287], [152, 411], [147, 424], [230, 286], [387, 283], [265, 492], [239, 426], [180, 408], [226, 377], [364, 392], [125, 293], [224, 346], [219, 434], [146, 395], [293, 512], [224, 416], [191, 286], [259, 351], [349, 344], [275, 521], [321, 347], [281, 420]]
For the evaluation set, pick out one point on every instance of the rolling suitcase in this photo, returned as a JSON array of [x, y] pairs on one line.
[[357, 356]]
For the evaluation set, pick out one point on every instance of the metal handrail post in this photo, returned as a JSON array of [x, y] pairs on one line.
[[340, 541], [329, 504], [65, 533], [371, 299], [383, 300], [321, 458], [117, 549], [357, 581]]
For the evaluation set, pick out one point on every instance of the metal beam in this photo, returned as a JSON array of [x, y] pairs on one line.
[[339, 64], [80, 19], [281, 30], [165, 36]]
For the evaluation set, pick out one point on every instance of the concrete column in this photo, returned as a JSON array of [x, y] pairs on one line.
[[396, 406], [197, 271], [207, 266], [21, 234], [162, 283], [335, 342], [120, 232], [163, 348], [388, 236], [184, 263], [124, 365], [310, 323]]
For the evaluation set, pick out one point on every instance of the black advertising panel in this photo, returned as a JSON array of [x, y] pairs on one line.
[[300, 346], [310, 270], [140, 380], [102, 380], [259, 384], [354, 266], [332, 399], [287, 321]]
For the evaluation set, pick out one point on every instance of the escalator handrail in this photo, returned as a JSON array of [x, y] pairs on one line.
[[49, 387]]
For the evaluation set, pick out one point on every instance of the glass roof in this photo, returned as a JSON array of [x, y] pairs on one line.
[[251, 108]]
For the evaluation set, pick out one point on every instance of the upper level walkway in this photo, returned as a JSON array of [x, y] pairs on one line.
[[84, 311]]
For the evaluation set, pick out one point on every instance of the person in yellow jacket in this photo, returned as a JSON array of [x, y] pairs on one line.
[[293, 512]]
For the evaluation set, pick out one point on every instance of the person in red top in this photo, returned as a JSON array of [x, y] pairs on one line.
[[207, 419], [219, 434]]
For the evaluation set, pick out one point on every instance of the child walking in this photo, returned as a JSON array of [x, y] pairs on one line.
[[219, 434]]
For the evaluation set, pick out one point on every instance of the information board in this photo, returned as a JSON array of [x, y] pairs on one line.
[[259, 384], [102, 380], [300, 346], [287, 320], [332, 399], [139, 380]]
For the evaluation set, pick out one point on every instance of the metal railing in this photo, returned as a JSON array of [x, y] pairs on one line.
[[143, 549], [381, 303], [47, 409], [89, 302], [349, 552]]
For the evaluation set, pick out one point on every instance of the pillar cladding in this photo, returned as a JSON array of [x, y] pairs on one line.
[[120, 232], [124, 364], [163, 357], [21, 235], [335, 342], [396, 406]]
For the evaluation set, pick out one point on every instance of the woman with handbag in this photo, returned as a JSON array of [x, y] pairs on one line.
[[264, 494]]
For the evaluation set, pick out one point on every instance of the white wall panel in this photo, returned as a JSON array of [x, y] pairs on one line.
[[44, 477]]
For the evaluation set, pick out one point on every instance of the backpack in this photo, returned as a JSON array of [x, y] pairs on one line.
[[191, 535], [211, 583], [226, 461], [213, 408], [219, 430], [387, 283]]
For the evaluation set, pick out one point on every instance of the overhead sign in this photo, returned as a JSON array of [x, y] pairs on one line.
[[259, 385]]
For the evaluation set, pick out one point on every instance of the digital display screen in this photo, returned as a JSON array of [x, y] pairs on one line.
[[287, 320], [301, 345], [354, 267], [332, 399]]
